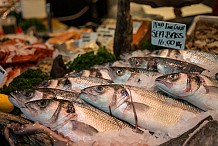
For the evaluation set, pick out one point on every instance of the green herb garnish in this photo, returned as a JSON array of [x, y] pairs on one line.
[[26, 80], [89, 59]]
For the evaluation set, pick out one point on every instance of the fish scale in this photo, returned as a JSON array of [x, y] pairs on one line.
[[98, 119], [140, 94]]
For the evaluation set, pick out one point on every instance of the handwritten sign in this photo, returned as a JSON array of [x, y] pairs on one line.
[[88, 37], [2, 74], [167, 34]]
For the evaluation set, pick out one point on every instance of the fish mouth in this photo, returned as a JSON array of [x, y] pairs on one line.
[[15, 101], [87, 94], [160, 81]]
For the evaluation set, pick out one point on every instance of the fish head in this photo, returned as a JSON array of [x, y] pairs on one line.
[[105, 97], [47, 111], [119, 74], [103, 73], [178, 84], [19, 98], [149, 62], [137, 62]]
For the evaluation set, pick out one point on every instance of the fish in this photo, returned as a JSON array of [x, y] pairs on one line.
[[168, 65], [153, 114], [57, 115], [199, 58], [203, 59], [74, 84], [66, 116], [98, 73], [134, 77], [196, 89]]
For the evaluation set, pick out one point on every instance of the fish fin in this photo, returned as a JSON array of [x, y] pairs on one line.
[[140, 106], [211, 89], [83, 127]]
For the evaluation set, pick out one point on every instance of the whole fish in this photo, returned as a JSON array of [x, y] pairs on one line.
[[98, 73], [134, 76], [53, 113], [74, 84], [199, 58], [167, 65], [153, 114], [57, 115], [198, 90], [203, 59]]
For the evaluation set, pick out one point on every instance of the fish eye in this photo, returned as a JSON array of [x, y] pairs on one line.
[[67, 82], [70, 108], [77, 73], [124, 93], [98, 75], [119, 72], [43, 104], [99, 89], [28, 93], [173, 77], [137, 62]]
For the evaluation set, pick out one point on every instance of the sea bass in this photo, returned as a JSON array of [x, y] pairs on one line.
[[167, 65], [199, 58], [198, 90], [73, 83], [47, 112], [203, 59], [134, 77], [153, 114]]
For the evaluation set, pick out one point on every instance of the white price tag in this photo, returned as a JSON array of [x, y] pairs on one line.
[[105, 35], [167, 34], [88, 37], [2, 74]]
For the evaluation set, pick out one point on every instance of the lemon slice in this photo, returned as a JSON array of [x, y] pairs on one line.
[[5, 104]]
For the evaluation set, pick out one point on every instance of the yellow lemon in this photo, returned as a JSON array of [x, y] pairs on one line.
[[5, 104]]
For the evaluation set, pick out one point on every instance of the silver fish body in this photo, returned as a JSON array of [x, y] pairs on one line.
[[165, 65], [203, 59], [152, 113], [73, 83], [198, 90]]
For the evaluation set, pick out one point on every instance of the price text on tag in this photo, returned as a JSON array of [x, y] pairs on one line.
[[167, 34], [2, 74]]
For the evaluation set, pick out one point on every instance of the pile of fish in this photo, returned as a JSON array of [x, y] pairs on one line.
[[157, 94]]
